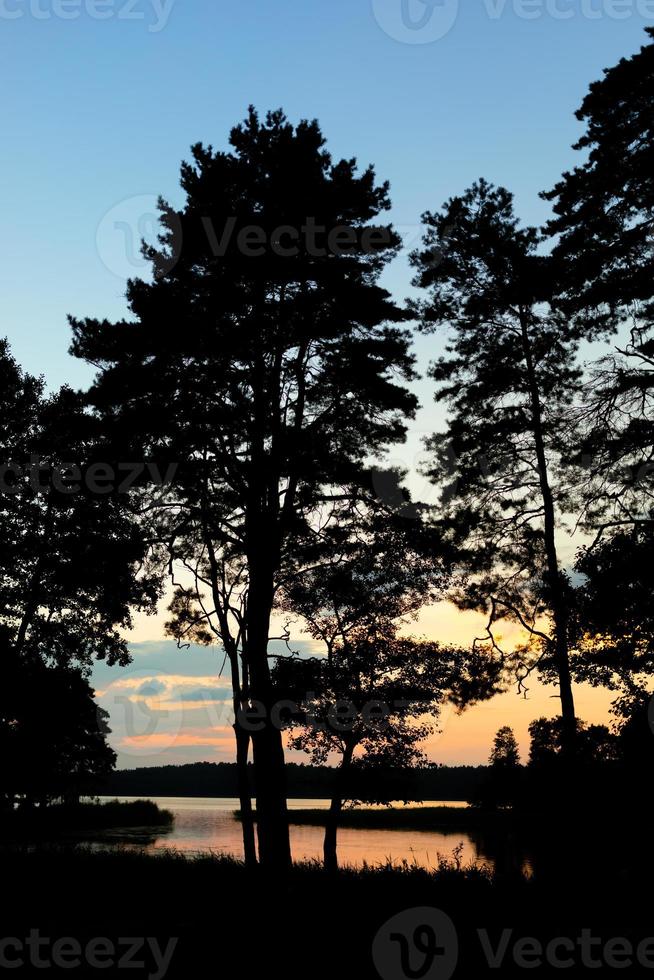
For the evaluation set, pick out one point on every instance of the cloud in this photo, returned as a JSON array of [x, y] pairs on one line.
[[151, 688], [212, 739], [206, 695], [170, 705]]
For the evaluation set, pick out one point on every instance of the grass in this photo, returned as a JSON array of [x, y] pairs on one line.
[[245, 922]]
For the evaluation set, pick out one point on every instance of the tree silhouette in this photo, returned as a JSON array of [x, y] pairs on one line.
[[52, 734], [507, 377], [72, 567], [368, 705], [374, 695], [595, 742], [504, 754], [615, 616], [263, 357], [503, 785], [604, 208], [604, 215], [210, 609], [615, 426]]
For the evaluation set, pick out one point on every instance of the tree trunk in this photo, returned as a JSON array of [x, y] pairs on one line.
[[558, 599], [272, 816], [245, 800], [241, 735], [268, 750], [330, 853]]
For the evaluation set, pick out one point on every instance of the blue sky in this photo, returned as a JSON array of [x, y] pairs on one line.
[[102, 99], [101, 111]]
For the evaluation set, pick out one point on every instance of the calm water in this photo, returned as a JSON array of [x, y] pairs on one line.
[[209, 825]]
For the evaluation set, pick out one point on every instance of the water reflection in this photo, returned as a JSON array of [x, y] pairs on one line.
[[209, 826]]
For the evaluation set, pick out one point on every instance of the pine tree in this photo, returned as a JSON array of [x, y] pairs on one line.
[[604, 221], [508, 377], [264, 357]]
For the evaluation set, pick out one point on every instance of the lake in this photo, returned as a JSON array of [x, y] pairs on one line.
[[208, 825]]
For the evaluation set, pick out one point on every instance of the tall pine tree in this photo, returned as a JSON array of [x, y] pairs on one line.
[[508, 377], [266, 358]]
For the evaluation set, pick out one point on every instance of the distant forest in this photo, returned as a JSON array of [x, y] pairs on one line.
[[311, 782]]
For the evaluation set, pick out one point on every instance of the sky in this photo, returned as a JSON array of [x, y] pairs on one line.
[[102, 100]]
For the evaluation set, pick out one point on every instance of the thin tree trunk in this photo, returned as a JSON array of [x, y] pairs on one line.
[[330, 852], [264, 534], [559, 602], [245, 800], [268, 750], [242, 737]]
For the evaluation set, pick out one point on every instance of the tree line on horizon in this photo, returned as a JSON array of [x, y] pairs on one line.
[[266, 377], [303, 781]]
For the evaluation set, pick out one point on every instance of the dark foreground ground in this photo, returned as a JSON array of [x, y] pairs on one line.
[[111, 912]]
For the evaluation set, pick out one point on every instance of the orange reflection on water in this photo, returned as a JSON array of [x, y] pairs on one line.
[[209, 825]]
